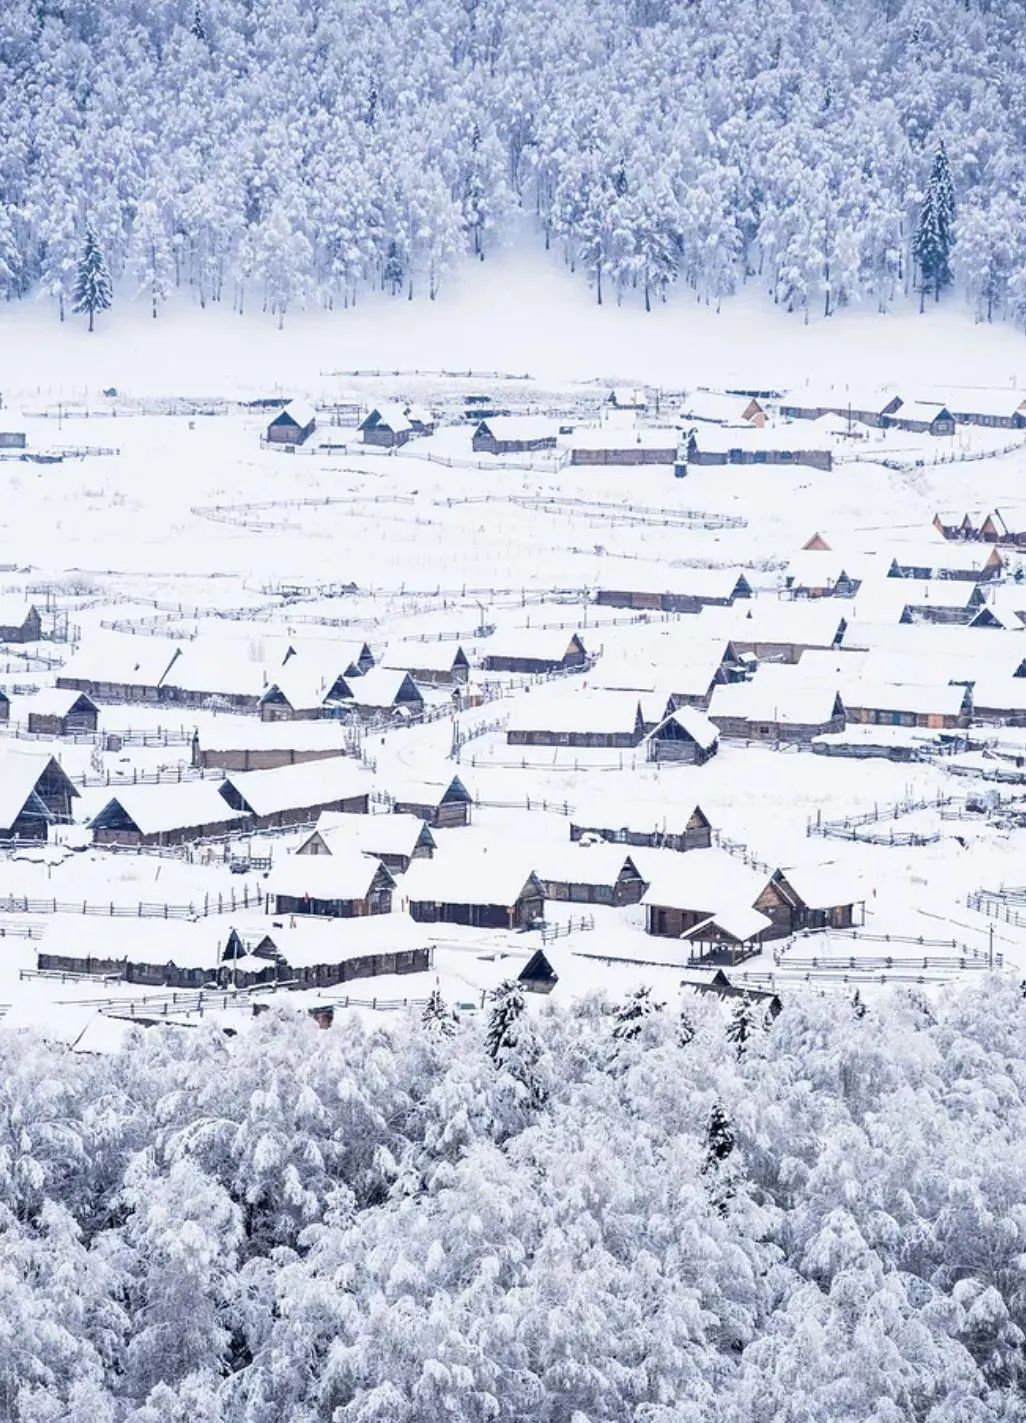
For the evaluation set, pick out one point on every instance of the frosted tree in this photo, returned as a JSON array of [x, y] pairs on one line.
[[93, 289], [152, 257], [438, 1017], [631, 1014], [10, 257], [934, 234], [742, 1025]]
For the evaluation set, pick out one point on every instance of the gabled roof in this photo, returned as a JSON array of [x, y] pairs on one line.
[[380, 687], [20, 772], [569, 862], [347, 874], [822, 886], [518, 427], [709, 880], [438, 656], [154, 810], [307, 785], [412, 790], [297, 412], [576, 710], [543, 644], [786, 701], [695, 725], [498, 876], [736, 922], [386, 417], [121, 658], [925, 410], [55, 701], [370, 834], [1000, 403], [15, 611]]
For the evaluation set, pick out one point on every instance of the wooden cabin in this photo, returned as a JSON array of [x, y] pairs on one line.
[[868, 408], [166, 815], [385, 693], [513, 434], [584, 718], [56, 712], [610, 445], [35, 793], [294, 696], [921, 417], [386, 426], [995, 409], [684, 738], [12, 432], [714, 893], [296, 795], [692, 590], [19, 621], [422, 420], [776, 710], [965, 561], [345, 885], [322, 951], [537, 974], [293, 425], [252, 745], [433, 663], [596, 874], [714, 407], [485, 891], [444, 806], [714, 445], [938, 707], [5, 707], [531, 650], [631, 826], [395, 840], [120, 668], [823, 898]]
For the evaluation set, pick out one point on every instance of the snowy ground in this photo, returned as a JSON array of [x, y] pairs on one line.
[[193, 520]]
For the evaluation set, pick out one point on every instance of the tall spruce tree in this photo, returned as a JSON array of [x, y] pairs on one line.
[[631, 1014], [742, 1025], [934, 235], [437, 1016], [93, 289]]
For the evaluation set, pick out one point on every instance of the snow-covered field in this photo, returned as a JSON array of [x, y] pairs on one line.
[[193, 530]]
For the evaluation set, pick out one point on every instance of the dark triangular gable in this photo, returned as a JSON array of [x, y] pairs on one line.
[[339, 691], [425, 840], [537, 969], [629, 872], [838, 706], [742, 588], [483, 428], [456, 793], [374, 421], [53, 770], [698, 820], [986, 618], [460, 658], [382, 879], [282, 419], [4, 697], [533, 888], [275, 697], [576, 645], [113, 816], [407, 691]]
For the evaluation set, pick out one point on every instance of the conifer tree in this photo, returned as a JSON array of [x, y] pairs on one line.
[[934, 235], [437, 1016], [719, 1138], [632, 1012], [93, 289], [858, 1008], [503, 1038], [741, 1026], [199, 29], [685, 1029]]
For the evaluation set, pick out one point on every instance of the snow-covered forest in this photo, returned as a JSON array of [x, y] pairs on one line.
[[611, 1212], [298, 154]]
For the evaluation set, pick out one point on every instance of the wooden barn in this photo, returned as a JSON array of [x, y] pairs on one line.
[[322, 952], [166, 815], [154, 952], [395, 840], [537, 974], [996, 409], [251, 745], [824, 897], [711, 898], [966, 561], [422, 420], [486, 891], [678, 590], [293, 425], [344, 885], [19, 621], [296, 795], [384, 693], [529, 650], [867, 407], [296, 696], [386, 426], [120, 668], [937, 707], [643, 825], [433, 663], [714, 407], [777, 710], [685, 737], [570, 717], [514, 434], [781, 631], [445, 805], [609, 444], [56, 712], [717, 445], [35, 793], [922, 417], [592, 874]]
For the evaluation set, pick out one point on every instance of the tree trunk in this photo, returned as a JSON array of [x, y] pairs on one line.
[[90, 318]]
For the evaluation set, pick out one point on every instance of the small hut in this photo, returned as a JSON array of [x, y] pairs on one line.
[[293, 425]]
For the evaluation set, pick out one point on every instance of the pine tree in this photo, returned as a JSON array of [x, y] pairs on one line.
[[934, 235], [199, 29], [858, 1008], [741, 1026], [685, 1029], [719, 1138], [438, 1017], [93, 289], [631, 1014], [502, 1037]]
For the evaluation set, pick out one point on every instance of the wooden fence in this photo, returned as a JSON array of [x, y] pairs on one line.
[[210, 904]]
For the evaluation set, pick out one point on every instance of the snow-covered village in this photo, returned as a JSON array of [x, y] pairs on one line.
[[512, 714]]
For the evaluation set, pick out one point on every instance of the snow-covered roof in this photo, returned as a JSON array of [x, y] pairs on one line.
[[454, 876], [642, 809], [544, 644], [696, 725], [187, 943], [305, 941], [999, 403], [249, 734], [215, 667], [615, 437], [869, 398], [814, 623], [694, 582], [719, 438], [388, 416], [716, 406], [957, 557], [438, 656], [925, 410], [52, 701], [519, 427], [569, 863], [738, 922], [305, 688], [410, 789], [344, 874], [419, 415], [309, 784], [19, 772], [14, 610], [823, 886], [121, 658], [299, 411], [789, 703], [571, 709], [379, 687], [1000, 694], [189, 805], [369, 834], [709, 880], [920, 700]]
